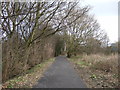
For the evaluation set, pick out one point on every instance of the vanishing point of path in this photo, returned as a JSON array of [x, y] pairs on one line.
[[61, 74]]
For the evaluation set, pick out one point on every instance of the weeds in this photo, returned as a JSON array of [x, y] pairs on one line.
[[98, 70]]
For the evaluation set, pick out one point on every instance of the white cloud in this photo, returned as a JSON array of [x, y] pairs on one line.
[[106, 12], [110, 25], [100, 1]]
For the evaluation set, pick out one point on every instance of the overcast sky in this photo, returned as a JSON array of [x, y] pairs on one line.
[[106, 12]]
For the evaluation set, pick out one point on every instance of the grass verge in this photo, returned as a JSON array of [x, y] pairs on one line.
[[97, 70], [30, 78]]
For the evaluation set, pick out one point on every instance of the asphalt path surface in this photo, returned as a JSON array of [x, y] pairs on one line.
[[60, 74]]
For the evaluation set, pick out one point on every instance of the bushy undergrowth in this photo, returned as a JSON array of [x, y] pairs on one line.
[[98, 70], [30, 77], [17, 59], [105, 63]]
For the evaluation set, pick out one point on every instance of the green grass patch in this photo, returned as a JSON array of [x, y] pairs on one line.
[[115, 76], [10, 86], [76, 57], [82, 63], [78, 60], [14, 81], [93, 76], [36, 67]]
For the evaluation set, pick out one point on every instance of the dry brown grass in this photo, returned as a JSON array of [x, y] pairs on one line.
[[107, 63], [98, 70]]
